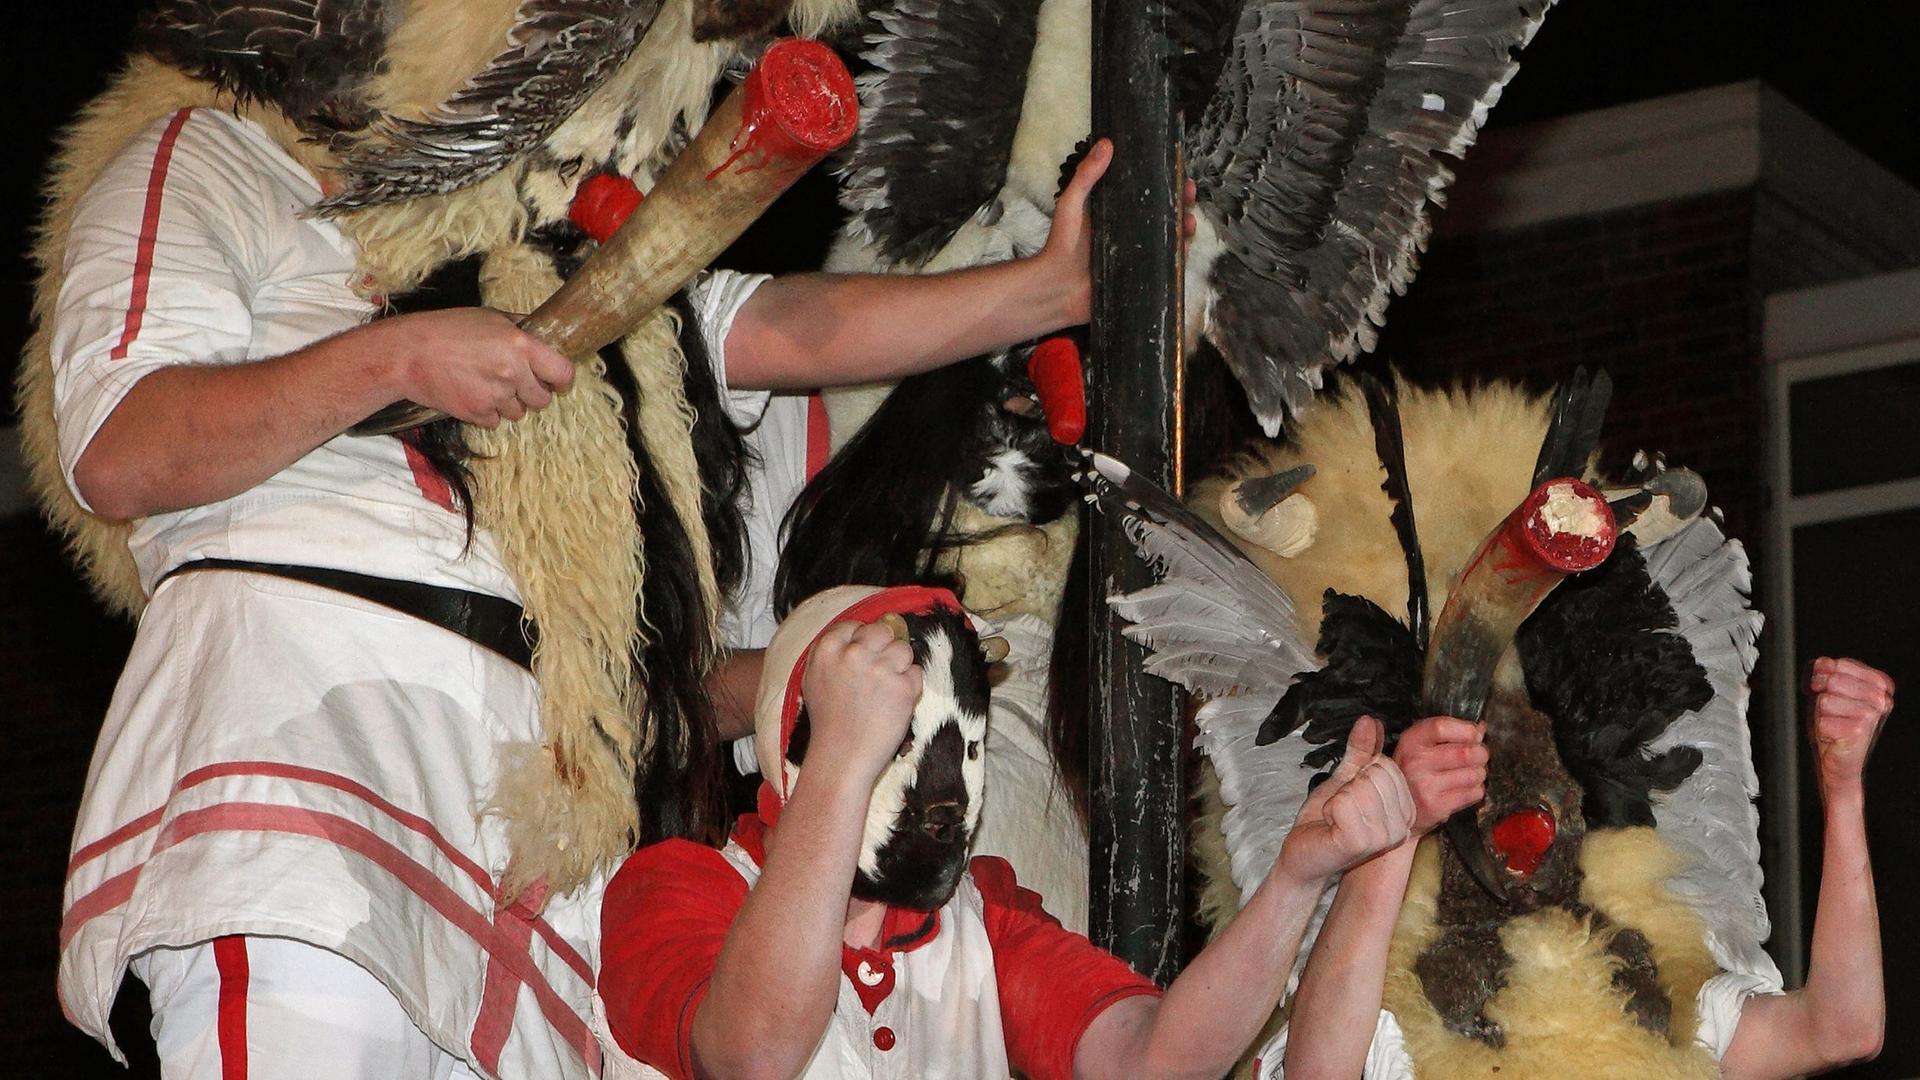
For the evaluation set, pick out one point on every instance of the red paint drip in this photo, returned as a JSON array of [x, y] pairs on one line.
[[1568, 552], [1054, 368], [602, 204], [800, 105], [1522, 839]]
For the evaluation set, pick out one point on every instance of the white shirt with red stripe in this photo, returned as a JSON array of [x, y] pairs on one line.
[[280, 759], [987, 981]]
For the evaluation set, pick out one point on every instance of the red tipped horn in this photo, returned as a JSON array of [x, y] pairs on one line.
[[1561, 528], [796, 106]]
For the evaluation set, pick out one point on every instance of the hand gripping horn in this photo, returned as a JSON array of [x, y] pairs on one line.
[[796, 106], [1562, 528]]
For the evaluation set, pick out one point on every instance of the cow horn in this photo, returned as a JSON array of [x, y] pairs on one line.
[[1268, 512], [1563, 527], [796, 106], [994, 649]]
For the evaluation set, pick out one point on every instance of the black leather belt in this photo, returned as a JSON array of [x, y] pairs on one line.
[[491, 622]]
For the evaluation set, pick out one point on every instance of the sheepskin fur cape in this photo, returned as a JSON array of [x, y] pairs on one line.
[[557, 489], [1470, 456]]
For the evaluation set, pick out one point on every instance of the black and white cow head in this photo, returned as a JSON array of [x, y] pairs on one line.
[[926, 804], [1009, 464]]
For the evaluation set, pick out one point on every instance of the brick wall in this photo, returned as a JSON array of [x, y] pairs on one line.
[[1660, 296]]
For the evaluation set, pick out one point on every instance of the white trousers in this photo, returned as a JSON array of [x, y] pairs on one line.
[[260, 1008]]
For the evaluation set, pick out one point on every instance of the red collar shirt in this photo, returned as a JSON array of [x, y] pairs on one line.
[[986, 985]]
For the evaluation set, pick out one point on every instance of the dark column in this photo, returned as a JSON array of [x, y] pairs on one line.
[[1138, 831]]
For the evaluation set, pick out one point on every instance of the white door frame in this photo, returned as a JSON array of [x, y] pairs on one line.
[[1810, 334]]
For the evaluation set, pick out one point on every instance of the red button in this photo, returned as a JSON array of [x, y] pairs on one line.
[[883, 1038]]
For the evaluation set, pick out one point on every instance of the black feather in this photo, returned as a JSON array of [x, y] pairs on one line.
[[1202, 32], [938, 118], [1389, 445], [1316, 157], [1574, 432], [557, 53], [1602, 659], [1373, 669], [311, 59]]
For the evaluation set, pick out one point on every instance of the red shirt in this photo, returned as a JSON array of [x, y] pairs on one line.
[[668, 910]]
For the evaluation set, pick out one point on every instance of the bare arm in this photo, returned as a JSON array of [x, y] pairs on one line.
[[733, 688], [1216, 1006], [811, 330], [777, 980], [1331, 1025], [193, 434], [1840, 1015]]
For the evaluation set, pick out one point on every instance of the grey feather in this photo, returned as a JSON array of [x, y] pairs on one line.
[[311, 59], [558, 53], [1711, 818], [938, 115], [1220, 627], [1315, 161]]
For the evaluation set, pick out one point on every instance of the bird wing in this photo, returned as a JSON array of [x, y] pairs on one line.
[[311, 59], [558, 52], [1315, 159], [1217, 625], [938, 113], [1214, 623], [1711, 817]]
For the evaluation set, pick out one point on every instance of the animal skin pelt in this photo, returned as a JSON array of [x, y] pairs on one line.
[[557, 489], [1559, 1004], [1466, 478], [1470, 457]]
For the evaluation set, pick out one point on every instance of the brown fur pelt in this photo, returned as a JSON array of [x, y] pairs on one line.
[[556, 490], [1559, 1004], [1470, 456]]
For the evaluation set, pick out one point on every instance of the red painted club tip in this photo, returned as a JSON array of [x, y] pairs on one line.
[[1570, 551], [806, 91], [602, 204], [1522, 839], [1054, 368]]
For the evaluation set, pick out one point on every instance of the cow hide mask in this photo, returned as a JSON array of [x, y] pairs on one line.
[[926, 804]]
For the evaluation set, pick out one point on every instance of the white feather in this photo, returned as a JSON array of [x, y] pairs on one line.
[[1711, 818]]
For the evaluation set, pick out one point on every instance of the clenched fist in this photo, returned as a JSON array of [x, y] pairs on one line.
[[1850, 704], [470, 363], [1364, 808], [860, 689]]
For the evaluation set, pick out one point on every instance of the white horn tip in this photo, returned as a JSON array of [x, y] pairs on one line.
[[1287, 528]]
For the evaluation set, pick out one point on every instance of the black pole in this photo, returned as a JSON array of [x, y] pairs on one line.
[[1137, 834]]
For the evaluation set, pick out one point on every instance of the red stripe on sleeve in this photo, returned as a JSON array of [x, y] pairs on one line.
[[230, 959], [432, 485], [149, 233], [819, 435]]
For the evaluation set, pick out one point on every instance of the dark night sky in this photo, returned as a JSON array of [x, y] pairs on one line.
[[1849, 63]]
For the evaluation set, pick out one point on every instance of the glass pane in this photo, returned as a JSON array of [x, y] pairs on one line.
[[1855, 429], [1855, 594]]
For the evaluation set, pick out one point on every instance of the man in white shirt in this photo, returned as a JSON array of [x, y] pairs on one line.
[[280, 831]]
